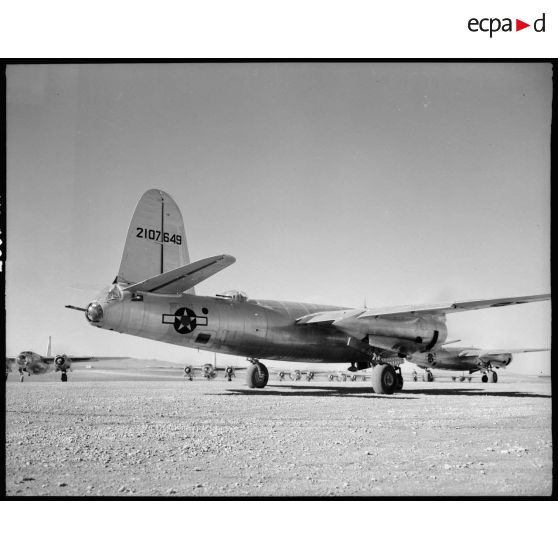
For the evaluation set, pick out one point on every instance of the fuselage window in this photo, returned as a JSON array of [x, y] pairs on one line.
[[203, 338]]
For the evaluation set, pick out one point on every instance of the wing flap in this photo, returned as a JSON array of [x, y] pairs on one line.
[[328, 317], [183, 278]]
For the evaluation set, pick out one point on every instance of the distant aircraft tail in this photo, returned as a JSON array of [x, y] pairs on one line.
[[49, 348], [156, 241]]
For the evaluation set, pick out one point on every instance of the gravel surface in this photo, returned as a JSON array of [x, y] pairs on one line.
[[169, 437]]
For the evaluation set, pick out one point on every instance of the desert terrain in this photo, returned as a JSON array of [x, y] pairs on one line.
[[145, 431]]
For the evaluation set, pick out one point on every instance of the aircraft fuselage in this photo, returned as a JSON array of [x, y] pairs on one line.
[[262, 329], [449, 359], [33, 363]]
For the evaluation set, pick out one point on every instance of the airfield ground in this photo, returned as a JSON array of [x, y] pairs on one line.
[[151, 433]]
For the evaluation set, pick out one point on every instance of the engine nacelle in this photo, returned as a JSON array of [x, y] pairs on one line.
[[498, 361], [62, 363], [208, 371]]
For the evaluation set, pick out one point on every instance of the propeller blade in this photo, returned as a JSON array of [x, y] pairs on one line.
[[75, 308]]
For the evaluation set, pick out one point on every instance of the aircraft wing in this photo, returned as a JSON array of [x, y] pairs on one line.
[[448, 308], [336, 316], [493, 352], [183, 278], [50, 359]]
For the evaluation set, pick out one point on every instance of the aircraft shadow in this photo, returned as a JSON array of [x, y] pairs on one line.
[[310, 391], [334, 391], [475, 392]]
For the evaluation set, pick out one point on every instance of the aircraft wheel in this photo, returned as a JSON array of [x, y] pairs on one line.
[[257, 376], [21, 378], [398, 382], [429, 377], [493, 378], [469, 378], [384, 379], [462, 379], [484, 378], [63, 377], [331, 376]]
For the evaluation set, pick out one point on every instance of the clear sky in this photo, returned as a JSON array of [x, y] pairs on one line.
[[334, 183]]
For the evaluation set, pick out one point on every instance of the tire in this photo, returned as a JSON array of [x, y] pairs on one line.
[[398, 382], [429, 377], [63, 377], [493, 378], [21, 378], [384, 379], [484, 378], [257, 376]]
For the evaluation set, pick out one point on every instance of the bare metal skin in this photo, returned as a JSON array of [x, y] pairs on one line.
[[263, 329], [468, 359], [153, 296]]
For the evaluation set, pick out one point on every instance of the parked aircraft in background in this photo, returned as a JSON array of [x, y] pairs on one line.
[[210, 371], [153, 296], [33, 363], [468, 359]]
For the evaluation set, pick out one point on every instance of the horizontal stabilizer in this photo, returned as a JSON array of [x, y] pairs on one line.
[[183, 278]]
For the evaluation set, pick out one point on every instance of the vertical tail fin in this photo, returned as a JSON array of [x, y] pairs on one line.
[[49, 349], [156, 240]]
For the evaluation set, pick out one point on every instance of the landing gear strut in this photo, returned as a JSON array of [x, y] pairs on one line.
[[257, 375]]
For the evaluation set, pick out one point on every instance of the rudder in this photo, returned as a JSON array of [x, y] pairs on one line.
[[156, 240]]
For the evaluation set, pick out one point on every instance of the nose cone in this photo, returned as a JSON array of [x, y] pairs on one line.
[[94, 312]]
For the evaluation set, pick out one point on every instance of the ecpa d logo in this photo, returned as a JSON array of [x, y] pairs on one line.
[[492, 25]]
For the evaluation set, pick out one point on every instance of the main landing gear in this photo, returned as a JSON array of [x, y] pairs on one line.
[[489, 376], [386, 379], [63, 372], [257, 374], [427, 376]]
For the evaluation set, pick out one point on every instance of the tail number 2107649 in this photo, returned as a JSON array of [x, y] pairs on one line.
[[152, 234]]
